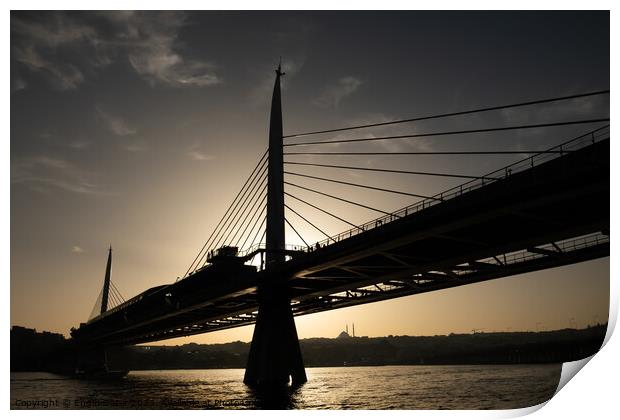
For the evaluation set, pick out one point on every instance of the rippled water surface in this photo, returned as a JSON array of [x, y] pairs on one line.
[[383, 387]]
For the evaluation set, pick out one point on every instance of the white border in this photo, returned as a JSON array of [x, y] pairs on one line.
[[593, 394]]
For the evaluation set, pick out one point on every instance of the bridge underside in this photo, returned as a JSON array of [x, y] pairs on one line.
[[551, 215]]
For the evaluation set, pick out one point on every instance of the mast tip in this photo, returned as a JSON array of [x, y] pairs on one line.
[[279, 71]]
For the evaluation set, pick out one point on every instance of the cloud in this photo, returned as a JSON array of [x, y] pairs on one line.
[[41, 173], [64, 46], [331, 96], [17, 83], [80, 144], [121, 128], [196, 154], [199, 156], [151, 41], [76, 249], [135, 146], [56, 30], [159, 64], [36, 44], [115, 123], [63, 75]]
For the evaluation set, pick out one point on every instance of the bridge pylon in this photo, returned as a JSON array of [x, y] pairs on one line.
[[106, 283], [275, 357]]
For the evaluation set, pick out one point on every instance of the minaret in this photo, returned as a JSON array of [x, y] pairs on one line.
[[275, 179], [106, 282], [346, 329], [354, 329]]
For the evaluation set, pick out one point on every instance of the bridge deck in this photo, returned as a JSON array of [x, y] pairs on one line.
[[552, 214]]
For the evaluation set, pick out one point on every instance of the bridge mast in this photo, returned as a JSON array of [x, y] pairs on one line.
[[106, 283], [275, 356], [275, 180]]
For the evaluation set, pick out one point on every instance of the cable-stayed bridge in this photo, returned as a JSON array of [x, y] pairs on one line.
[[547, 209]]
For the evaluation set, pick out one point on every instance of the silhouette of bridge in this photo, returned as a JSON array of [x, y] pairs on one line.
[[549, 209]]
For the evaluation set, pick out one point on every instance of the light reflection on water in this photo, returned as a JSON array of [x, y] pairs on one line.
[[380, 387]]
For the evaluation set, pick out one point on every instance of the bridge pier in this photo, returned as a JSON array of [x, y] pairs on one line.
[[275, 357], [99, 362], [91, 361]]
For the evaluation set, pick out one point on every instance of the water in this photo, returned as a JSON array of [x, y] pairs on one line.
[[382, 387]]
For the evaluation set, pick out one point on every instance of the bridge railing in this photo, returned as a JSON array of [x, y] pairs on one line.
[[502, 173], [263, 246], [568, 245]]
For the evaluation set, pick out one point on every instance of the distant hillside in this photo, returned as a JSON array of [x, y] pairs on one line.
[[478, 348], [33, 351]]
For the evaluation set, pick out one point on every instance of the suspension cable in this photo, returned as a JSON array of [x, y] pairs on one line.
[[257, 232], [97, 307], [259, 207], [511, 152], [254, 201], [323, 210], [264, 233], [233, 214], [453, 114], [112, 300], [396, 171], [338, 198], [118, 299], [309, 222], [215, 233], [364, 186], [260, 217], [449, 133], [243, 209], [295, 230], [231, 205], [113, 295], [118, 294], [117, 291]]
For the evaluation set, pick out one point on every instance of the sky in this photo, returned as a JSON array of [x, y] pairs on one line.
[[137, 129]]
